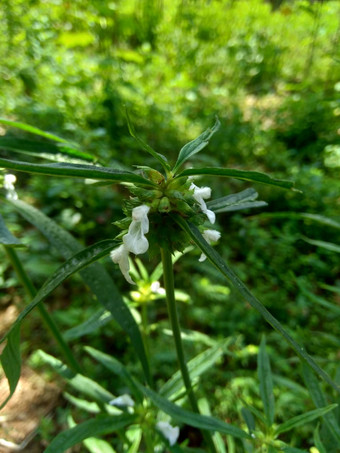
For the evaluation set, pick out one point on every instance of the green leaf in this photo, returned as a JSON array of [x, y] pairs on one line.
[[288, 449], [95, 276], [320, 401], [95, 445], [237, 201], [116, 367], [74, 264], [253, 176], [303, 419], [196, 367], [100, 425], [317, 440], [76, 171], [266, 382], [248, 418], [161, 159], [32, 130], [222, 266], [57, 152], [6, 237], [85, 405], [99, 319], [11, 362], [323, 244], [195, 146], [192, 419], [303, 216], [79, 382]]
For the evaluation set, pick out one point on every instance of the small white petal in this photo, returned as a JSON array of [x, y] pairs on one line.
[[122, 401], [211, 215], [156, 288], [211, 235], [9, 180], [171, 433], [120, 256], [134, 240]]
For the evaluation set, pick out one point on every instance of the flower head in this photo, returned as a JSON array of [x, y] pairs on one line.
[[134, 241], [201, 194], [171, 433]]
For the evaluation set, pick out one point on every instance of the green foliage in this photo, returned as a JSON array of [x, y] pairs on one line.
[[269, 70]]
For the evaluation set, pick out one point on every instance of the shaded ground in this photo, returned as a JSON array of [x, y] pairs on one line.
[[19, 420]]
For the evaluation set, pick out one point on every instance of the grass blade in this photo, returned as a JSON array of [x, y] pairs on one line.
[[79, 382], [32, 130], [11, 362], [253, 176], [266, 382], [76, 171], [100, 425], [222, 266], [6, 237], [320, 401], [195, 146], [191, 418], [45, 150], [303, 419], [161, 159]]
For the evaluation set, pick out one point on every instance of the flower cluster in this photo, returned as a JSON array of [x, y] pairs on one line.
[[190, 196], [134, 241]]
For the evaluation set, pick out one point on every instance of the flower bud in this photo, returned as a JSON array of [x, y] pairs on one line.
[[164, 205]]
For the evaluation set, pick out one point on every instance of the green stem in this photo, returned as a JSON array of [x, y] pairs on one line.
[[48, 320], [145, 329], [168, 276]]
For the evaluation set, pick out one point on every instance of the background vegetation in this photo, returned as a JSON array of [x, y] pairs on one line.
[[271, 72]]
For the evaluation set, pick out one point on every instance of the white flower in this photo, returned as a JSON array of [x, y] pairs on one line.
[[9, 181], [134, 241], [120, 256], [157, 289], [201, 194], [171, 433], [122, 401], [210, 236]]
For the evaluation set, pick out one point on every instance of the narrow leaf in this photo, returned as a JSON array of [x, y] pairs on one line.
[[76, 171], [79, 382], [248, 418], [317, 440], [303, 419], [192, 419], [196, 367], [162, 159], [234, 202], [195, 146], [320, 401], [51, 151], [222, 266], [6, 237], [253, 176], [116, 367], [32, 130], [266, 382], [11, 362], [323, 244], [99, 319], [303, 216], [74, 264], [95, 276], [102, 424]]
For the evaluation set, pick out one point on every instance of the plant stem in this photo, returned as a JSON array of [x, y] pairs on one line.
[[48, 320], [168, 276]]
